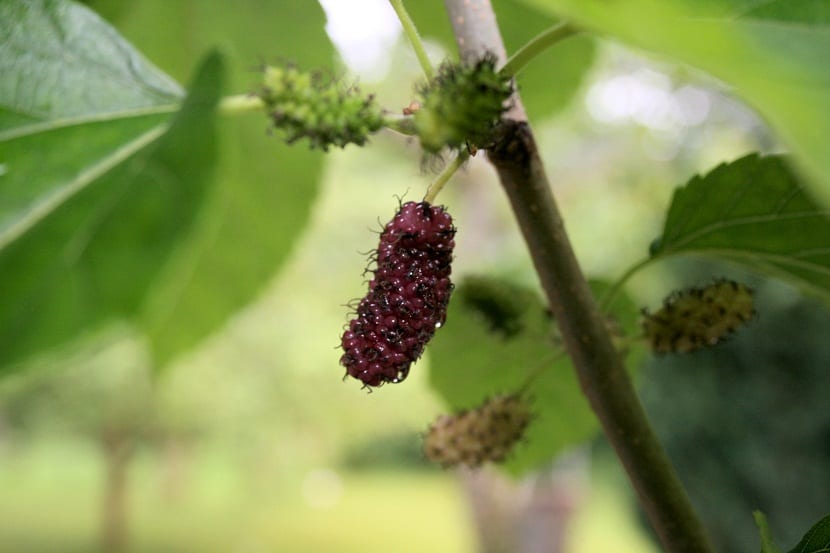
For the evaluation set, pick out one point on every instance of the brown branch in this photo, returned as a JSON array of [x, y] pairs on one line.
[[600, 369]]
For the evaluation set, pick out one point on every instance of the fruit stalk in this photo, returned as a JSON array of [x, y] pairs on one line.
[[600, 369]]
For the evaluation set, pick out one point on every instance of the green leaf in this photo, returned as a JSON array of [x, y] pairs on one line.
[[767, 543], [816, 540], [772, 53], [498, 334], [69, 82], [549, 82], [755, 212], [113, 200], [60, 61], [265, 188]]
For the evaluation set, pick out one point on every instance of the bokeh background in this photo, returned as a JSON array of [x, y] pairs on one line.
[[252, 442]]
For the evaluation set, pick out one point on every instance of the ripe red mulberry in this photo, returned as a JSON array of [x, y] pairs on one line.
[[407, 298]]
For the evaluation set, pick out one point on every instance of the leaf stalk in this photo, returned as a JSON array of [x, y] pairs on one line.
[[438, 184], [414, 38], [240, 103], [536, 46]]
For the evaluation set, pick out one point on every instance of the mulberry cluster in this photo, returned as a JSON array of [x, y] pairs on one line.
[[317, 107], [407, 298], [698, 317], [462, 105], [486, 433]]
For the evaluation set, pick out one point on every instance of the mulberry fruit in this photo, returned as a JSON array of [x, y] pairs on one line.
[[317, 107], [407, 298], [462, 105], [698, 317], [486, 433]]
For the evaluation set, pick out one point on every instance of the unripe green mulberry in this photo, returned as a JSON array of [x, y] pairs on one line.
[[486, 433], [317, 107], [462, 105], [698, 317]]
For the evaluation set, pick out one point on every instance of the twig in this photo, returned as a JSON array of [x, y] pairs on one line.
[[600, 369]]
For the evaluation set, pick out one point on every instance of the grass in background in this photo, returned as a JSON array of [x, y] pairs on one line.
[[50, 501], [212, 502]]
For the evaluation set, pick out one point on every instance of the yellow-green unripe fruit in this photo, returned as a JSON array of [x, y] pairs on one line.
[[487, 433], [698, 317], [316, 107]]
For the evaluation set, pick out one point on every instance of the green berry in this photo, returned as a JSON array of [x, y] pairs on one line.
[[698, 317], [462, 105], [317, 107], [486, 433]]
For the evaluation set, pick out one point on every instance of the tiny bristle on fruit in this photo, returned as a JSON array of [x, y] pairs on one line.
[[696, 318], [407, 296], [487, 433]]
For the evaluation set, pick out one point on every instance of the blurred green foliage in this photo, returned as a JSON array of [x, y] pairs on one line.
[[387, 451], [773, 53], [268, 396], [523, 354], [86, 249], [183, 256], [746, 423], [203, 500]]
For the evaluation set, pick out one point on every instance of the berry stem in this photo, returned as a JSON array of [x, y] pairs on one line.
[[611, 294], [438, 184], [411, 33], [240, 103], [599, 367], [400, 123], [538, 370], [767, 543], [536, 46]]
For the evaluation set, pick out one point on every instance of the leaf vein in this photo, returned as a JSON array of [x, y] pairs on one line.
[[753, 220], [80, 182]]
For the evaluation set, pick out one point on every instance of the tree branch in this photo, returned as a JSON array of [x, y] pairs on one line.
[[600, 369]]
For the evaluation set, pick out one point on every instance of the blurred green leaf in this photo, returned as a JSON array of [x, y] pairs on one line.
[[70, 83], [773, 53], [498, 334], [753, 211], [549, 82], [265, 188], [120, 196], [60, 61], [816, 540]]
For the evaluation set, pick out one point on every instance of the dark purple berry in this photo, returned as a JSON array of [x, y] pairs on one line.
[[407, 298]]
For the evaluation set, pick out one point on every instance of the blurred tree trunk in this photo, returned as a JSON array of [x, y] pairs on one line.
[[118, 450], [528, 516], [176, 458]]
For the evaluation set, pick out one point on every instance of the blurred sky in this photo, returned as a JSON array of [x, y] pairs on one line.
[[364, 31]]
